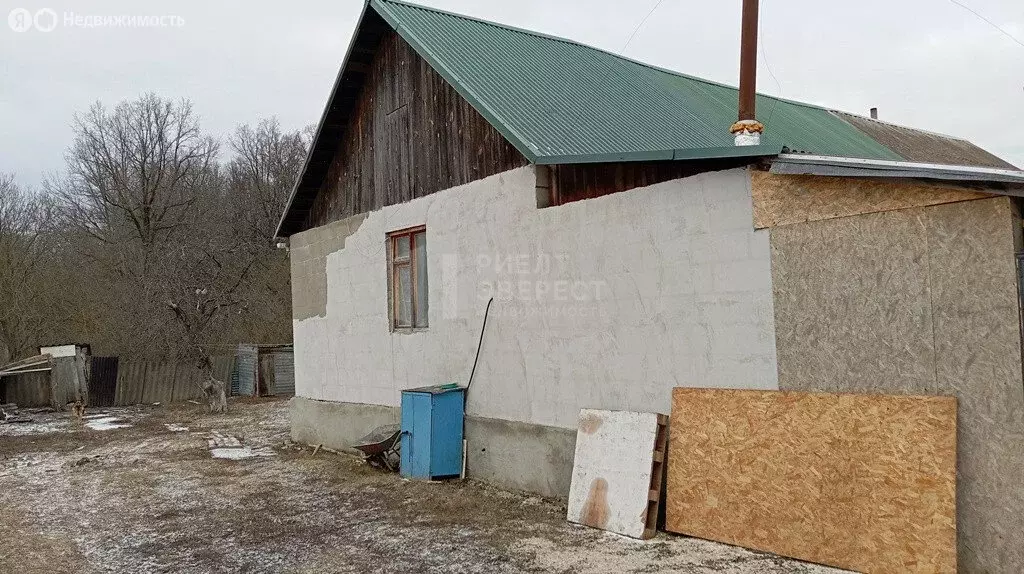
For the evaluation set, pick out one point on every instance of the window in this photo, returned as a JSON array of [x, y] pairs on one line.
[[407, 276]]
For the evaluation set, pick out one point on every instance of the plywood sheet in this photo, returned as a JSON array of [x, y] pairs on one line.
[[616, 477], [863, 482], [919, 301], [787, 199]]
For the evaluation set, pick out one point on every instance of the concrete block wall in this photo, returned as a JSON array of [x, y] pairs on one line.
[[605, 303]]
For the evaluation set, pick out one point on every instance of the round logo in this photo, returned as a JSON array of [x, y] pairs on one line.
[[45, 20], [20, 20]]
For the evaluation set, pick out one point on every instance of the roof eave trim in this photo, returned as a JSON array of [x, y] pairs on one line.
[[664, 155], [516, 139], [799, 164], [320, 124]]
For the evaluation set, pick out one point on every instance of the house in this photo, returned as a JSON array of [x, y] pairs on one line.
[[596, 213]]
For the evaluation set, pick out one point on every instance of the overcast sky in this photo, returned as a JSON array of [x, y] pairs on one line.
[[924, 63]]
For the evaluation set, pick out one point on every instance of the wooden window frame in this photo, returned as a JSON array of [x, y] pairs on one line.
[[396, 263]]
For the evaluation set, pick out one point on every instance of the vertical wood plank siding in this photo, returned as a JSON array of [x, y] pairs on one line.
[[589, 180], [410, 134]]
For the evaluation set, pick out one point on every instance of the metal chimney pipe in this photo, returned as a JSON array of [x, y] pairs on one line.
[[748, 61], [874, 113], [747, 131]]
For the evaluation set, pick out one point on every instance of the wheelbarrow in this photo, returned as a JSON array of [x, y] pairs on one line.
[[381, 446]]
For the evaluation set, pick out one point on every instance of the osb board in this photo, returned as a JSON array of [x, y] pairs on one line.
[[919, 301], [868, 276], [863, 482], [612, 471], [788, 199]]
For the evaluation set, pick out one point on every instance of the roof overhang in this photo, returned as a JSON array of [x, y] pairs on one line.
[[1010, 181], [329, 128]]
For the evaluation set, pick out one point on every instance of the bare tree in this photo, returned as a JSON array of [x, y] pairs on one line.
[[262, 173], [234, 283], [133, 175], [161, 250], [27, 309], [206, 273]]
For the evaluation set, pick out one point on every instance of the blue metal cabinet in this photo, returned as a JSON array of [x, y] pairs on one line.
[[432, 432]]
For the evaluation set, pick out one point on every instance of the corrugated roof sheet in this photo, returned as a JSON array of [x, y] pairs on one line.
[[559, 101], [922, 146], [554, 98]]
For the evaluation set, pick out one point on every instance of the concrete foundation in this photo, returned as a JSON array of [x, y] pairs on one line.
[[521, 456], [514, 456], [337, 425]]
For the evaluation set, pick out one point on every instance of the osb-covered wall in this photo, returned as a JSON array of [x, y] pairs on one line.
[[787, 199], [919, 300]]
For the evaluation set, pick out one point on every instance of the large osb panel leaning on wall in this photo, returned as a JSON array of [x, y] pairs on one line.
[[919, 301], [863, 482], [789, 199], [617, 471]]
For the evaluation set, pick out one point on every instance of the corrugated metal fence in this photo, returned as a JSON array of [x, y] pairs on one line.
[[28, 390], [248, 364], [264, 370], [141, 381], [284, 372], [116, 382], [102, 381]]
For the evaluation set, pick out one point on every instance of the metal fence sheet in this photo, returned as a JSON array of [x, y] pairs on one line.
[[248, 359], [284, 372], [103, 381]]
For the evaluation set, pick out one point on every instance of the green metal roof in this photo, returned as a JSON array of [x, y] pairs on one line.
[[559, 101]]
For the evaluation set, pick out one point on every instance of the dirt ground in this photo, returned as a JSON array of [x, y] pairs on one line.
[[139, 490]]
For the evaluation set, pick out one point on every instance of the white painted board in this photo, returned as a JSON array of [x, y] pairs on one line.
[[611, 474], [58, 351]]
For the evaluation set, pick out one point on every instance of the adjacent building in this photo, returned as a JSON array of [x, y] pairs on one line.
[[595, 212]]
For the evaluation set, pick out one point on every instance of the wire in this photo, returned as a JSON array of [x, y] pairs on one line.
[[767, 65], [478, 345], [989, 22], [640, 25]]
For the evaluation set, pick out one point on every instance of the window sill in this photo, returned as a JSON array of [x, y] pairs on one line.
[[409, 330]]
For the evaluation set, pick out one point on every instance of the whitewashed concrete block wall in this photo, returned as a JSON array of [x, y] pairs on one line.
[[605, 303]]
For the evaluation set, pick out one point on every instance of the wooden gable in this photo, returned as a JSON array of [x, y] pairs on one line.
[[410, 134]]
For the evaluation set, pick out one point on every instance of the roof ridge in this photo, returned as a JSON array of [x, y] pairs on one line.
[[570, 41]]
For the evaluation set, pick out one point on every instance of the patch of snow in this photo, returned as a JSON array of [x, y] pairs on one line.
[[25, 429], [240, 453], [106, 423], [173, 427], [219, 440]]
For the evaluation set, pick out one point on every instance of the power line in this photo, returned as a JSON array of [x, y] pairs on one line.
[[768, 66], [989, 22], [640, 25]]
